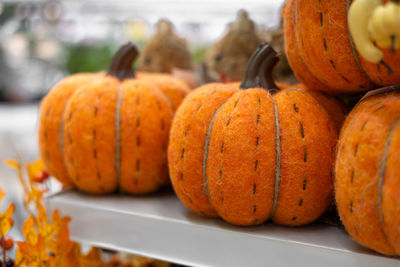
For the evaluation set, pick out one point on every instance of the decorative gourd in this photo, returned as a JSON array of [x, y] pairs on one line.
[[252, 153], [165, 51], [102, 147], [368, 172], [323, 55], [228, 57]]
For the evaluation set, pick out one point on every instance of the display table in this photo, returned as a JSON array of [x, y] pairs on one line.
[[159, 226]]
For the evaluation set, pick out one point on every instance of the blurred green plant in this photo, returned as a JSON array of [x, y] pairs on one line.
[[88, 57]]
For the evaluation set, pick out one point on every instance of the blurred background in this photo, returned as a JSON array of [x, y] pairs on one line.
[[43, 41]]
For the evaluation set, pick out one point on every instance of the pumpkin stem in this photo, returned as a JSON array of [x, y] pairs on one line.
[[121, 64], [259, 69]]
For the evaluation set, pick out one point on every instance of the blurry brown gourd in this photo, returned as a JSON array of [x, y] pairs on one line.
[[165, 51]]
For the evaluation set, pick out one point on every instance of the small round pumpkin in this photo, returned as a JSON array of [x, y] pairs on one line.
[[367, 179], [322, 53], [251, 152], [116, 132], [52, 127]]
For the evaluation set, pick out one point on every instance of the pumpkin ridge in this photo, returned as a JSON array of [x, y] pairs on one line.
[[278, 160], [355, 55], [381, 175], [206, 148], [298, 48], [117, 142]]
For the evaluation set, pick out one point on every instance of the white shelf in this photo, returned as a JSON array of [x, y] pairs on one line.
[[159, 226]]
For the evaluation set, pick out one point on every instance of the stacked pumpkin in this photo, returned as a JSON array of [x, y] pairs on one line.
[[325, 56], [109, 131]]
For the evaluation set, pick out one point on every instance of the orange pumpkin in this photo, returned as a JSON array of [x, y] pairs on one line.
[[322, 54], [174, 88], [367, 170], [102, 147], [251, 152]]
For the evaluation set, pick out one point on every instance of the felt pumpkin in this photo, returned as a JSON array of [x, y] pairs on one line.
[[367, 181], [251, 152], [102, 132], [322, 53]]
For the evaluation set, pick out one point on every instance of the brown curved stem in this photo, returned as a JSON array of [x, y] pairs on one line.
[[259, 69], [121, 64]]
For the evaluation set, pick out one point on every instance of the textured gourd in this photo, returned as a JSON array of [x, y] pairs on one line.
[[165, 51], [116, 132], [252, 152], [367, 170], [115, 128], [51, 125], [174, 88], [227, 58], [322, 54]]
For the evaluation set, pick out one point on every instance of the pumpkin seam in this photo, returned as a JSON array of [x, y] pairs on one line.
[[118, 138], [298, 48], [278, 160], [206, 149], [381, 175]]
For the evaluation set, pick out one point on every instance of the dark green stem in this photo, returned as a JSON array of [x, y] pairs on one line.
[[121, 65], [259, 69]]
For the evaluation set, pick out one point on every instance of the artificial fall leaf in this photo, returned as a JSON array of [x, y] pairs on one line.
[[35, 169], [93, 259], [29, 231], [50, 231], [12, 163], [6, 222], [35, 195], [33, 255], [2, 194], [63, 248]]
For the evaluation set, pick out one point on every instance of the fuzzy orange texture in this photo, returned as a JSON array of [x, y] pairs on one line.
[[358, 169], [90, 137], [50, 124], [174, 88], [336, 109], [241, 162], [186, 145], [320, 53]]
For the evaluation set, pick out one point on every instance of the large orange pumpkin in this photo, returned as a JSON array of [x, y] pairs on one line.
[[322, 53], [368, 172], [149, 106], [251, 152]]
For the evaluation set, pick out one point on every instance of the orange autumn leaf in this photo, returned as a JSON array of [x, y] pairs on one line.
[[93, 259], [29, 231], [35, 196], [12, 163], [2, 194], [63, 249], [6, 222], [50, 231], [34, 255], [35, 168]]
